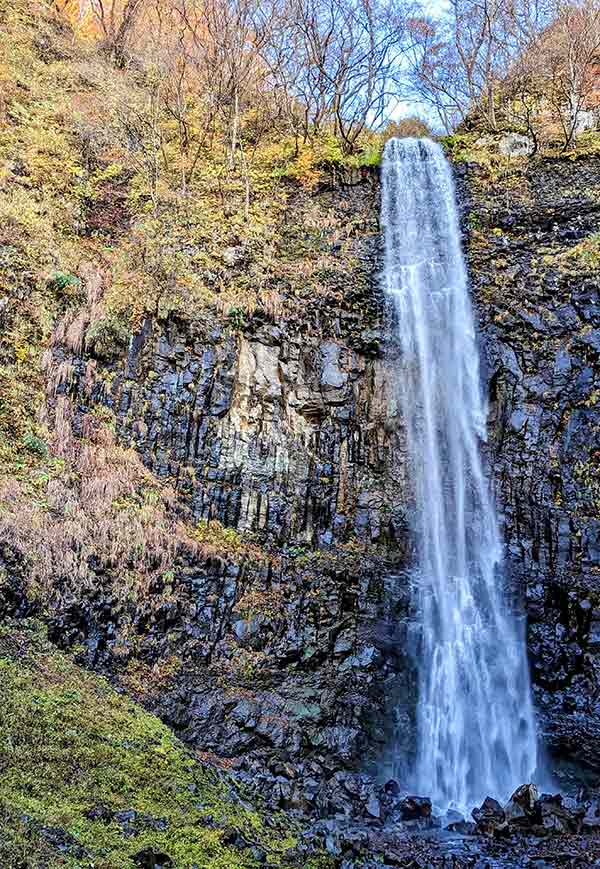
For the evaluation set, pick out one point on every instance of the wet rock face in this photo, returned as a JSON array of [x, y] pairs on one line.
[[539, 309]]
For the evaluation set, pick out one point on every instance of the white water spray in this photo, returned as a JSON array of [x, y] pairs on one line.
[[475, 720]]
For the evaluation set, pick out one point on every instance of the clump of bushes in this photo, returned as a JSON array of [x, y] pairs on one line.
[[107, 336]]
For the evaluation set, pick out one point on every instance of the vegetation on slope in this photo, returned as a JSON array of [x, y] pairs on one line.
[[89, 779], [91, 163]]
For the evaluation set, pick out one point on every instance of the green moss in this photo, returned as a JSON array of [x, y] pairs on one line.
[[586, 253], [69, 743], [107, 337]]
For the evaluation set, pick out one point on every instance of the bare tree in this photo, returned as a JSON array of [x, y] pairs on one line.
[[339, 59], [228, 38], [460, 60], [523, 90], [437, 78], [573, 55], [117, 20], [552, 80]]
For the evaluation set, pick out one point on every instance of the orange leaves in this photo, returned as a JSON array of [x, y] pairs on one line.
[[79, 14]]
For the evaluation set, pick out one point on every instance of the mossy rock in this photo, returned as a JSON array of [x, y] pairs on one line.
[[90, 779]]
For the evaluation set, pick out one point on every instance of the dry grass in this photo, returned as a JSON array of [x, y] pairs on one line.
[[103, 512]]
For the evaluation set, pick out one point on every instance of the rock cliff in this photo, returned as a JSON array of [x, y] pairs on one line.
[[532, 255], [288, 657]]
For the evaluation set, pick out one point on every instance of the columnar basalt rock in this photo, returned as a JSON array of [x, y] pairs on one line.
[[288, 434], [539, 309], [296, 668]]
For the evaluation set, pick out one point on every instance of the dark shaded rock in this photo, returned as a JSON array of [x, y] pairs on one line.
[[490, 818], [62, 841], [591, 820], [415, 808], [100, 813], [132, 823], [150, 859], [555, 817]]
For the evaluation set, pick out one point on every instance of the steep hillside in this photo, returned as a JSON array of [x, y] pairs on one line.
[[89, 779]]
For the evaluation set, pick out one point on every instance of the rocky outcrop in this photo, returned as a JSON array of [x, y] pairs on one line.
[[281, 424], [537, 296], [285, 656]]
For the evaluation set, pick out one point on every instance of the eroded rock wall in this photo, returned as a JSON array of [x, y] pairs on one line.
[[536, 289]]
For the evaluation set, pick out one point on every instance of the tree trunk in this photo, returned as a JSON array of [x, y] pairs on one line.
[[491, 107], [234, 128]]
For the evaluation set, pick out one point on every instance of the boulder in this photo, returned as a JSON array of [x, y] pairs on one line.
[[151, 859], [415, 808], [490, 818], [555, 817], [591, 820], [520, 810]]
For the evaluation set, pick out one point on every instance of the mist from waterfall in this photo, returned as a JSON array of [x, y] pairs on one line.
[[475, 719]]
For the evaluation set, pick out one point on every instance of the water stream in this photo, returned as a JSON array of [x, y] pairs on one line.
[[475, 720]]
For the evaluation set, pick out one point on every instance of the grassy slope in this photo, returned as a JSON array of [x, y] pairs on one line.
[[69, 744]]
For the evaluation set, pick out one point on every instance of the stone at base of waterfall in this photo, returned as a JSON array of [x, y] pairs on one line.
[[415, 809], [454, 822], [527, 812], [520, 810], [464, 828], [490, 818], [591, 819], [556, 816]]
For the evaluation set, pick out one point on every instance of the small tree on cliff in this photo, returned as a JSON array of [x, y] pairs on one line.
[[412, 128], [573, 61], [117, 20]]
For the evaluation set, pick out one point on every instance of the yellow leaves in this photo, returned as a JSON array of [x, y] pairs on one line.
[[305, 169], [80, 15], [22, 351]]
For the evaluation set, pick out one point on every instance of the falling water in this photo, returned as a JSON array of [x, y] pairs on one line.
[[475, 722]]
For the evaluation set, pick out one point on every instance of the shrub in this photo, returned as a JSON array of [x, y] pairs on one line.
[[64, 283], [35, 444], [106, 337]]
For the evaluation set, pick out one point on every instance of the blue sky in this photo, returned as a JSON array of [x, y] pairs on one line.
[[405, 108], [435, 5]]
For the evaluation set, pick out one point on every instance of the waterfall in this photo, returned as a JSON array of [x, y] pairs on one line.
[[475, 720]]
